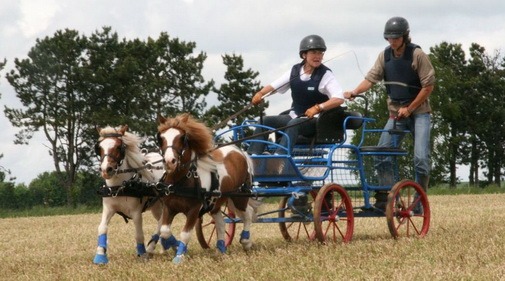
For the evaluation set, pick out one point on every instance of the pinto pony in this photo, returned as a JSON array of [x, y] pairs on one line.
[[194, 169], [121, 161]]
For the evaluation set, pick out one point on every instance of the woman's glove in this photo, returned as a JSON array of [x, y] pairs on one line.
[[257, 99], [312, 111]]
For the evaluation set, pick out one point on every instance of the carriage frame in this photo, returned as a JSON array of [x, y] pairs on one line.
[[339, 180]]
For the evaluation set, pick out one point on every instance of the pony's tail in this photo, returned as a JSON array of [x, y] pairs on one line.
[[250, 165]]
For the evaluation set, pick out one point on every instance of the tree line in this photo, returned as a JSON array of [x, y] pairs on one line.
[[71, 84]]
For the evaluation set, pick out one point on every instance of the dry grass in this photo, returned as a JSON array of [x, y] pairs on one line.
[[466, 242]]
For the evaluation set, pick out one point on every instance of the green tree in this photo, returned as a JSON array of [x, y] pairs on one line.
[[71, 84], [131, 82], [87, 185], [488, 102], [449, 118], [236, 94], [7, 190], [468, 95], [49, 86], [48, 187], [174, 80]]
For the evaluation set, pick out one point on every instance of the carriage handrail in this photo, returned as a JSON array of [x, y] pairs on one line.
[[239, 138]]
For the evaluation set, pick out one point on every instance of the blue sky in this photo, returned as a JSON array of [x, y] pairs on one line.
[[266, 33]]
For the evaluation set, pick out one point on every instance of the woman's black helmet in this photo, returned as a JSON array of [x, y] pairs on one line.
[[396, 27], [312, 42]]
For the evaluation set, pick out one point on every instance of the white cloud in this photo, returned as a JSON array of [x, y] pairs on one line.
[[36, 16]]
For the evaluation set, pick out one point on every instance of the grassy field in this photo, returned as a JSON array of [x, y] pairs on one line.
[[466, 242]]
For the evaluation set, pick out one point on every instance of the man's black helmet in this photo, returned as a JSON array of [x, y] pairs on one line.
[[312, 42], [396, 27]]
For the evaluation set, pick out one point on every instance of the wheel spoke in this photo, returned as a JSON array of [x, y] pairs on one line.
[[331, 201], [404, 197]]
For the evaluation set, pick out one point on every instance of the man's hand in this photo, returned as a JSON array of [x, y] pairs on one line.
[[404, 112], [350, 95]]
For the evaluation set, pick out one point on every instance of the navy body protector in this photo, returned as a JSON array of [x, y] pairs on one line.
[[400, 70], [306, 93]]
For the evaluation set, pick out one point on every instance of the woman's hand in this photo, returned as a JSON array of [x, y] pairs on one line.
[[312, 111], [258, 98]]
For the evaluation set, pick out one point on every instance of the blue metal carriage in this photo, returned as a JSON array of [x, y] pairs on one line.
[[335, 180]]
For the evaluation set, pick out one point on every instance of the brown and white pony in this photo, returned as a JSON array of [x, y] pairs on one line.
[[194, 168], [120, 161]]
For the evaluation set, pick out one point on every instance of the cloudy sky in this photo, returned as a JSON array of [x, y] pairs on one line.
[[266, 33]]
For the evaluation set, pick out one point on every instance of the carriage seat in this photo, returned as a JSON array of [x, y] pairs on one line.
[[330, 127]]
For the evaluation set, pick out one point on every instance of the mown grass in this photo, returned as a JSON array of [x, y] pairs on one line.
[[465, 242], [465, 188], [41, 211]]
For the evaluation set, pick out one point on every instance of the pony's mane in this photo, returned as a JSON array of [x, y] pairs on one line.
[[130, 140], [199, 136]]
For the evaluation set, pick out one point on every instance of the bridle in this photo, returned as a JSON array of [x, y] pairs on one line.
[[122, 150], [179, 152]]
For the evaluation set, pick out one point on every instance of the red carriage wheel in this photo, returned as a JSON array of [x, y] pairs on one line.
[[206, 229], [408, 210], [333, 214], [293, 231]]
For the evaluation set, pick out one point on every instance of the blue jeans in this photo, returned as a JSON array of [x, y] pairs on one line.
[[308, 128], [420, 127]]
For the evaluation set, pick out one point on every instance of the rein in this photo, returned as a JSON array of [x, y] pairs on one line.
[[149, 166], [258, 134]]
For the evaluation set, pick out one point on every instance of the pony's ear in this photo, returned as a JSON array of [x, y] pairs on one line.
[[98, 129], [97, 148], [184, 117], [161, 119], [123, 129]]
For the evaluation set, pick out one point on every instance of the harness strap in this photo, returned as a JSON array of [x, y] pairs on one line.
[[125, 217], [131, 188], [192, 188]]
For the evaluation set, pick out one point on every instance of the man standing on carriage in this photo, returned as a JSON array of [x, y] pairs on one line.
[[409, 78]]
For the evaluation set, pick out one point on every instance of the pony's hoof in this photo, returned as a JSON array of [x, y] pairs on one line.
[[246, 244], [100, 259], [145, 257], [178, 259]]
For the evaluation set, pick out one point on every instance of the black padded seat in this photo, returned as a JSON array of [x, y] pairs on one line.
[[329, 126]]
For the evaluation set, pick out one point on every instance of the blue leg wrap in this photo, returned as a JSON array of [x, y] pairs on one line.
[[155, 238], [102, 241], [221, 246], [182, 249], [141, 249], [101, 258], [245, 235], [170, 242]]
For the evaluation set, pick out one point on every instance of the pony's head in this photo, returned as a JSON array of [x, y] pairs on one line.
[[114, 145], [181, 137]]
